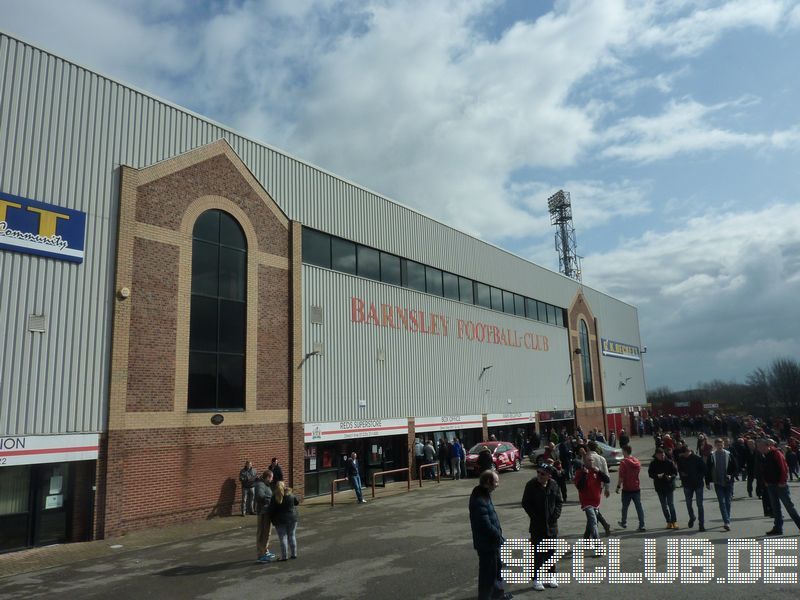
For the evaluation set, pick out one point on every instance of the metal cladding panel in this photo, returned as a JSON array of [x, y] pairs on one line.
[[623, 379], [397, 372]]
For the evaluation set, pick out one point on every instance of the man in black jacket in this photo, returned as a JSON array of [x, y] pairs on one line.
[[487, 537], [692, 471], [542, 502], [247, 477]]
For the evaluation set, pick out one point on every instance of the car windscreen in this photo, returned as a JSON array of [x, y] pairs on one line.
[[477, 448]]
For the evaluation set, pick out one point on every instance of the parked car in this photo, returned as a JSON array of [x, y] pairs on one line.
[[505, 456], [612, 455]]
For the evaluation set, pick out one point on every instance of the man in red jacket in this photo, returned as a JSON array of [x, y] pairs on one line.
[[775, 472], [589, 480], [629, 483]]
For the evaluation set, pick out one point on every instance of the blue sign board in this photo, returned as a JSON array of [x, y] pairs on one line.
[[37, 228]]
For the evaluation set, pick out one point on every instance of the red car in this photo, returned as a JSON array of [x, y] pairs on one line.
[[505, 455]]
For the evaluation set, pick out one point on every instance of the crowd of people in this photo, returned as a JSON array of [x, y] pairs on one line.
[[274, 503], [753, 455]]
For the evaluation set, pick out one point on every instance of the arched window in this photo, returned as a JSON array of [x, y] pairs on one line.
[[218, 313], [586, 364]]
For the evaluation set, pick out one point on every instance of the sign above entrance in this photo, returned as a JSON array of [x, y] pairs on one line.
[[620, 350], [34, 227], [494, 420], [39, 449], [556, 415], [423, 424], [348, 430]]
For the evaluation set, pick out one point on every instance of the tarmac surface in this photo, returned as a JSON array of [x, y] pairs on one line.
[[402, 545]]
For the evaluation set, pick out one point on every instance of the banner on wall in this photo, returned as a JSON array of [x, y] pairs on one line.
[[447, 423], [39, 449], [523, 418], [33, 227], [620, 350], [358, 428]]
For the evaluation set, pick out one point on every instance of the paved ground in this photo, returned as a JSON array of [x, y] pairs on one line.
[[403, 545]]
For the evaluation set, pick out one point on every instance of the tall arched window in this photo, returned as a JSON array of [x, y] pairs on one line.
[[218, 313], [586, 364]]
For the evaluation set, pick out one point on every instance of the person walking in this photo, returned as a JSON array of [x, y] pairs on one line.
[[628, 482], [542, 503], [484, 461], [624, 438], [750, 464], [247, 477], [353, 475], [284, 517], [589, 480], [487, 537], [277, 471], [263, 499], [721, 470], [692, 471], [455, 459], [599, 461], [462, 459], [663, 473], [444, 456], [775, 472]]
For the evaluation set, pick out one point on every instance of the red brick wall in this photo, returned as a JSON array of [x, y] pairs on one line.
[[273, 332], [154, 319], [83, 475]]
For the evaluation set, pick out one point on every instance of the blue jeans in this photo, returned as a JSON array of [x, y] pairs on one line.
[[778, 495], [668, 505], [637, 502], [590, 533], [724, 495], [355, 483], [689, 493], [288, 538]]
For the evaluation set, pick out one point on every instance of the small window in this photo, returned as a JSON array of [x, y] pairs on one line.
[[390, 269], [519, 305], [560, 317], [465, 290], [483, 295], [508, 302], [316, 248], [414, 275], [343, 255], [450, 286], [497, 298], [551, 314], [530, 308], [369, 263], [433, 281], [541, 307]]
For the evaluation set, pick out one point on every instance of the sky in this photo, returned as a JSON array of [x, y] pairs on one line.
[[673, 124]]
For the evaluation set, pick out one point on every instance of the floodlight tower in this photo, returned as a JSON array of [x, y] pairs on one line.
[[560, 209]]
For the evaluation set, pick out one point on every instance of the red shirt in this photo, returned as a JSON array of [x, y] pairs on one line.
[[629, 473], [591, 492]]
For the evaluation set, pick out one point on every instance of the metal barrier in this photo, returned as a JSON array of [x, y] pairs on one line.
[[430, 466], [407, 471], [333, 487]]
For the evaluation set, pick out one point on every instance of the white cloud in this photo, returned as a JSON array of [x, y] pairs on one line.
[[684, 127]]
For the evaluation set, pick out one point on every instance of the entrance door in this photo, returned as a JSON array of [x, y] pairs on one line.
[[15, 507], [50, 511]]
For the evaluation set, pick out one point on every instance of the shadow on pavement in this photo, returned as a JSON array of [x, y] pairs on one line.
[[192, 570]]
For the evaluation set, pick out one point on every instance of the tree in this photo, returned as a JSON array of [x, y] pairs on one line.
[[784, 386], [758, 393]]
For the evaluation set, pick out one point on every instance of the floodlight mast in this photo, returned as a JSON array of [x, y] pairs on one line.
[[560, 208]]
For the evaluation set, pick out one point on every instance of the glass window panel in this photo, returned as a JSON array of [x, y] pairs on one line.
[[483, 296], [559, 317], [231, 326], [390, 269], [541, 307], [316, 248], [450, 286], [232, 273], [465, 290], [230, 233], [530, 309], [207, 226], [205, 268], [202, 380], [497, 299], [433, 281], [519, 305], [203, 324], [415, 276], [551, 314], [343, 256], [369, 263], [231, 381], [508, 302]]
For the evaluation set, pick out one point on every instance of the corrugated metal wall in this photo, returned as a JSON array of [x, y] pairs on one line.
[[64, 131], [420, 374]]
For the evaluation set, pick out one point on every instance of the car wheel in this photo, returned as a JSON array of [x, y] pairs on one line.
[[516, 464]]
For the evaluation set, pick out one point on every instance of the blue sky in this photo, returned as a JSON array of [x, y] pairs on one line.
[[672, 123]]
